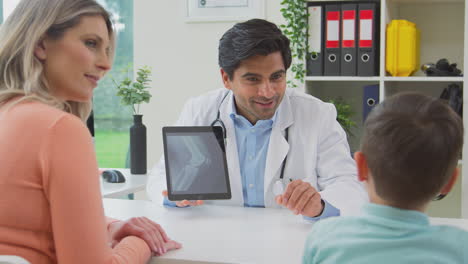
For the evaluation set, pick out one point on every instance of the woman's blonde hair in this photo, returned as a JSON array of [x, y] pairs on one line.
[[21, 73]]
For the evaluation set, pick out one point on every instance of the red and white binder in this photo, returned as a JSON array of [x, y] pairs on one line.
[[348, 40], [367, 49], [332, 41]]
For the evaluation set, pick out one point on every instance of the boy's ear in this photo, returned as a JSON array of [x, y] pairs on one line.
[[40, 50], [361, 164], [449, 185], [226, 79]]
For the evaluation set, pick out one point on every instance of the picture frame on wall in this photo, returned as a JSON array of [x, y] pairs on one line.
[[223, 10]]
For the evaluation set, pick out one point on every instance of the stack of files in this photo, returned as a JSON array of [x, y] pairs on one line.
[[343, 39]]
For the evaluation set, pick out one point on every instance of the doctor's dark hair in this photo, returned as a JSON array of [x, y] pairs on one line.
[[412, 143], [250, 38]]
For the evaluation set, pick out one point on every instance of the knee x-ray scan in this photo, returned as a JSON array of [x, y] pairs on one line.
[[195, 163]]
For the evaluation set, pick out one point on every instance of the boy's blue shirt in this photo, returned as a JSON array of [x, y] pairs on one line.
[[384, 234]]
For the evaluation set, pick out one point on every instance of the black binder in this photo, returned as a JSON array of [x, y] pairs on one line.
[[314, 58], [368, 40], [348, 40], [332, 46]]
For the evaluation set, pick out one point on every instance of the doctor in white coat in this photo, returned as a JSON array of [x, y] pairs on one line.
[[284, 148]]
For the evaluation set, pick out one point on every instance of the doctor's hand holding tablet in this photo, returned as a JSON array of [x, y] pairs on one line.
[[184, 203]]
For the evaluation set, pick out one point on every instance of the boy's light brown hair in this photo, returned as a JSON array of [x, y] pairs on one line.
[[412, 143]]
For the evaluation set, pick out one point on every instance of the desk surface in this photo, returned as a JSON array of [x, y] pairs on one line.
[[219, 234], [133, 183], [222, 234]]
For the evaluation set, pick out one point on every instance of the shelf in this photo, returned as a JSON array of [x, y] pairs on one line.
[[426, 1], [342, 78], [401, 1], [386, 79], [443, 28], [423, 79]]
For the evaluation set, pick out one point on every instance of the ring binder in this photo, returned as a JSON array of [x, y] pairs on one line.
[[315, 40], [348, 42], [332, 41], [368, 40]]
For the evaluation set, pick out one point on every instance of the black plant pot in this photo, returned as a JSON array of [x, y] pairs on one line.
[[138, 146]]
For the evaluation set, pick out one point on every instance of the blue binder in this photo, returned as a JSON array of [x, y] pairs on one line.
[[370, 99]]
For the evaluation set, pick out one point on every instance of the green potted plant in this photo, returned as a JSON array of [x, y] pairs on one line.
[[134, 93], [344, 114], [296, 27]]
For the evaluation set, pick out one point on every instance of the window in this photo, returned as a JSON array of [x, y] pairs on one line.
[[112, 120], [6, 6]]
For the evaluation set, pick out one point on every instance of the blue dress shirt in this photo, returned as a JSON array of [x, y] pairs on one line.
[[252, 147]]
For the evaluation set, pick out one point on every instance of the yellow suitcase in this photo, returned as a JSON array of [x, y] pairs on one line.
[[402, 50]]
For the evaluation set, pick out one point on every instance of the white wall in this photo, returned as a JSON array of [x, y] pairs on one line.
[[184, 58]]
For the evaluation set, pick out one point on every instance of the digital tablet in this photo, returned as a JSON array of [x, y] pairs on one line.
[[196, 167]]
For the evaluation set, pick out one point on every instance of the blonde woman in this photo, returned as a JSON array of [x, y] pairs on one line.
[[52, 55]]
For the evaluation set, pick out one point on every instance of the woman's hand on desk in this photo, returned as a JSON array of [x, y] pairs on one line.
[[184, 203], [142, 227]]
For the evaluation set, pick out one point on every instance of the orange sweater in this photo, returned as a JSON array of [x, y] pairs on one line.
[[50, 200]]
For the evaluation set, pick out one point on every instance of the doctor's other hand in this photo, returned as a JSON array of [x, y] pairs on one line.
[[184, 203], [142, 227], [301, 198]]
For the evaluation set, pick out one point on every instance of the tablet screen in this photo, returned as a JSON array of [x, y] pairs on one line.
[[196, 167]]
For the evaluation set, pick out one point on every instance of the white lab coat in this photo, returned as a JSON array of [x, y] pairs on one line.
[[317, 150]]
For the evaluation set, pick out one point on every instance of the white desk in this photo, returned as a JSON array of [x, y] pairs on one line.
[[133, 183], [460, 223], [218, 234]]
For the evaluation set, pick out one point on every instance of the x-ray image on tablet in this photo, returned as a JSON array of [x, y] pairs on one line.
[[196, 167]]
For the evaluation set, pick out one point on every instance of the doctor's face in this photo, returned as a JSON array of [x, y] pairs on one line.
[[258, 84]]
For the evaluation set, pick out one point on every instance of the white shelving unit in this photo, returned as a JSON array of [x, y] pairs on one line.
[[341, 78], [442, 24]]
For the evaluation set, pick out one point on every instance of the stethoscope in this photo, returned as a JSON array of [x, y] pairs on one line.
[[278, 187]]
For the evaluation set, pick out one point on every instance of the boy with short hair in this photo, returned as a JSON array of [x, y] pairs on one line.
[[409, 155]]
